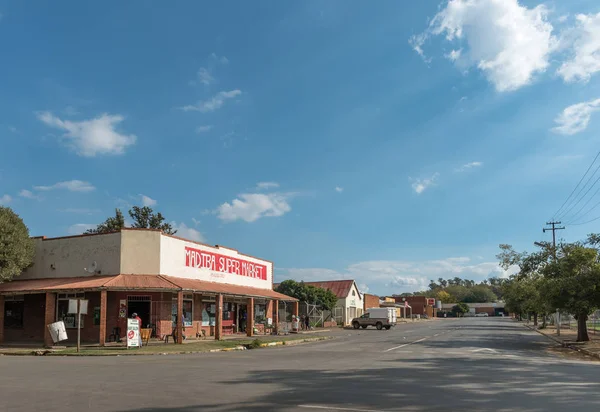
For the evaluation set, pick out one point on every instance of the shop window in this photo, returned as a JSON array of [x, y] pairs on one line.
[[188, 310], [13, 312], [260, 313], [62, 309], [97, 316], [208, 313]]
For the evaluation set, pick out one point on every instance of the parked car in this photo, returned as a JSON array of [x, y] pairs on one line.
[[378, 317], [481, 315]]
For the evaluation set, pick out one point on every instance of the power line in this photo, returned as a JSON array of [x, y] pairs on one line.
[[553, 229], [580, 180], [574, 217], [566, 211], [585, 223]]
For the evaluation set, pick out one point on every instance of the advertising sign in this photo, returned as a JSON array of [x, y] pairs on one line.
[[133, 333], [430, 301], [197, 258]]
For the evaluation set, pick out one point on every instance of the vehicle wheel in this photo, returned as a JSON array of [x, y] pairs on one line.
[[387, 327], [379, 326], [364, 326], [355, 325]]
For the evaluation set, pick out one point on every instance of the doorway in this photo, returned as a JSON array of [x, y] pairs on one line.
[[242, 317], [140, 305]]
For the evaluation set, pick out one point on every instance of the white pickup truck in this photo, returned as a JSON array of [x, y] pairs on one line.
[[378, 317]]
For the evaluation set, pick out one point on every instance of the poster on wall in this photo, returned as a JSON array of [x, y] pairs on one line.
[[122, 308], [133, 333]]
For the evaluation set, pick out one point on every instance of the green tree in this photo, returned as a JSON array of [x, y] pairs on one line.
[[479, 293], [444, 297], [112, 224], [460, 309], [17, 249], [573, 283], [323, 298], [143, 217]]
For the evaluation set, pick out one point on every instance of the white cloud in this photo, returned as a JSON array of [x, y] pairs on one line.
[[5, 199], [187, 232], [203, 76], [216, 102], [575, 118], [267, 185], [468, 166], [196, 221], [420, 185], [510, 43], [82, 211], [147, 201], [339, 189], [563, 18], [585, 41], [219, 59], [203, 129], [28, 194], [454, 55], [80, 228], [92, 137], [387, 277], [12, 129], [252, 206], [71, 185]]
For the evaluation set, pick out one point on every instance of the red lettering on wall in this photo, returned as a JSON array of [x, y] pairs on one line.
[[196, 258]]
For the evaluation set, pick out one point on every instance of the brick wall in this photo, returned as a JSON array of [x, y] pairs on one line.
[[33, 321], [370, 301], [417, 303]]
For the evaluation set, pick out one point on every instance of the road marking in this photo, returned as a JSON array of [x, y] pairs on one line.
[[437, 334], [406, 344], [333, 408], [485, 349]]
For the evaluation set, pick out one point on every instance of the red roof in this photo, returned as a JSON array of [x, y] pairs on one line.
[[341, 288], [135, 282]]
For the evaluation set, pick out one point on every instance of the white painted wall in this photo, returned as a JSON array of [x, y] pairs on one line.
[[70, 255], [173, 263], [355, 301]]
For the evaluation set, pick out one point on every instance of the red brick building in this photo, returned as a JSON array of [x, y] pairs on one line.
[[162, 278], [370, 301]]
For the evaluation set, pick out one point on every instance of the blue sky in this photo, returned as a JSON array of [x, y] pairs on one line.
[[390, 143]]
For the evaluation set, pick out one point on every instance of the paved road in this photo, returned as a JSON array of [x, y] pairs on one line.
[[471, 364]]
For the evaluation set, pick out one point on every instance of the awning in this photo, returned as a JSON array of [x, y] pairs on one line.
[[135, 282]]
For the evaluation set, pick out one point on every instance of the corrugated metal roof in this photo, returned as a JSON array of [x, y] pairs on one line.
[[341, 288], [135, 282]]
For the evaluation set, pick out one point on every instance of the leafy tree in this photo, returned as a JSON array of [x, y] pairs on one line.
[[444, 297], [479, 293], [460, 309], [143, 217], [17, 249], [323, 298], [112, 224]]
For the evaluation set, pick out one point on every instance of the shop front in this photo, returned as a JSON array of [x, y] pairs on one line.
[[191, 291]]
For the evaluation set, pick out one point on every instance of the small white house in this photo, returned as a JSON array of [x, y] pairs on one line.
[[350, 300]]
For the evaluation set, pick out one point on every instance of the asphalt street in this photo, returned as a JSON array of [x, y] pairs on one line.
[[475, 364]]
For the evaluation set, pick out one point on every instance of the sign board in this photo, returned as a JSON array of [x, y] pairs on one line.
[[83, 306], [430, 301], [215, 262], [133, 333], [122, 308]]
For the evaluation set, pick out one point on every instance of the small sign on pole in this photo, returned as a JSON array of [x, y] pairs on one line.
[[133, 333], [80, 307]]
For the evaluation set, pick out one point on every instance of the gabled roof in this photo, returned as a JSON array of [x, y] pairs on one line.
[[135, 282], [341, 288]]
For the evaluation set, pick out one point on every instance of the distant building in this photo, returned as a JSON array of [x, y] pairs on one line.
[[491, 308], [370, 301]]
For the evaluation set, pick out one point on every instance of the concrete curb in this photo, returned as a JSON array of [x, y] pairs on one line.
[[564, 344], [233, 349]]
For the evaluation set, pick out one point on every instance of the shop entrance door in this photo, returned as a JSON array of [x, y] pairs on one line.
[[242, 317], [140, 305]]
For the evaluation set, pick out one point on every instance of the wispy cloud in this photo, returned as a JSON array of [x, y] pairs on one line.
[[97, 136], [187, 232], [576, 118], [5, 199], [196, 221], [267, 185], [420, 185], [81, 211], [339, 189], [28, 194], [203, 76], [203, 129], [71, 185], [147, 201], [585, 59], [80, 228], [219, 59], [216, 102], [12, 129], [250, 207], [468, 166]]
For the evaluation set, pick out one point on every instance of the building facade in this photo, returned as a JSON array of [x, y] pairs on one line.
[[176, 286], [350, 302]]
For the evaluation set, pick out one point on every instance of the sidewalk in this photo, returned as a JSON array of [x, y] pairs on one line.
[[568, 339]]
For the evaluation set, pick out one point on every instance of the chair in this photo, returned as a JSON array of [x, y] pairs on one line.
[[115, 336]]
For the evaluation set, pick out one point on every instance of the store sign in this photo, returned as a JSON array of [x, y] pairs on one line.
[[197, 258], [133, 333]]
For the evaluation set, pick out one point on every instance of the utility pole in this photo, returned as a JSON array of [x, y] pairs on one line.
[[554, 228]]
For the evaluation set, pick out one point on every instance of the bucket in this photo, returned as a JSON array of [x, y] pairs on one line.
[[57, 331]]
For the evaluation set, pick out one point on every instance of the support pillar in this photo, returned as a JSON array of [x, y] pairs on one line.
[[1, 319], [102, 338], [219, 317], [250, 322], [180, 317], [296, 308], [276, 316], [49, 317]]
